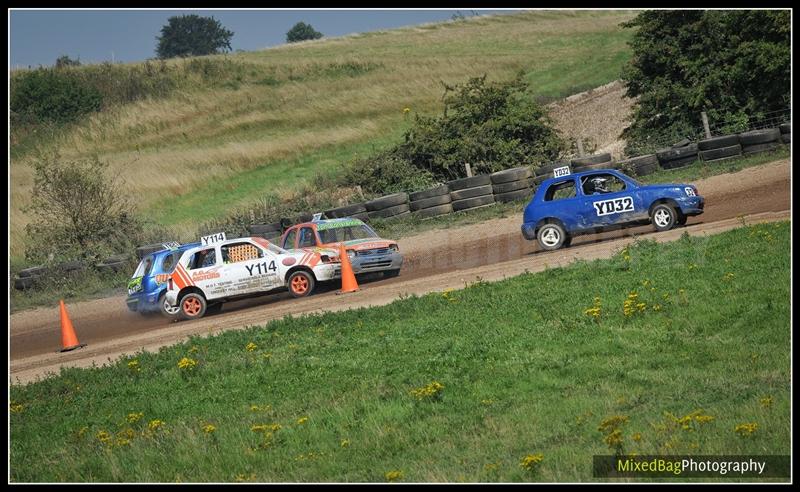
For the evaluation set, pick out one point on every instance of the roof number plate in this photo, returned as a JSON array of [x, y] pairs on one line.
[[213, 238], [561, 171]]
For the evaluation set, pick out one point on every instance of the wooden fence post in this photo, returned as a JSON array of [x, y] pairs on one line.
[[580, 147], [705, 124], [469, 170]]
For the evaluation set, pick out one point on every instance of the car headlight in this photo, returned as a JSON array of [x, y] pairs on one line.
[[394, 247], [351, 254]]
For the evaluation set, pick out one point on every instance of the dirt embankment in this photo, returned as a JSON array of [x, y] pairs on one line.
[[598, 115]]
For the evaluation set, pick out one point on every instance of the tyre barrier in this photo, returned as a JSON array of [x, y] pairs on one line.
[[510, 175], [762, 147], [433, 201], [429, 212], [391, 212], [346, 211], [471, 192], [429, 193], [32, 271], [521, 184], [385, 202], [266, 231], [718, 142], [594, 167], [25, 283], [473, 202], [640, 166], [547, 169], [786, 133], [759, 137], [591, 160], [720, 153], [672, 158], [682, 143], [512, 196], [471, 182], [111, 266]]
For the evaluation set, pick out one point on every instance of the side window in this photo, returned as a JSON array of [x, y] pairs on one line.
[[307, 239], [203, 259], [148, 265], [169, 262], [597, 184], [236, 252], [288, 243], [560, 191]]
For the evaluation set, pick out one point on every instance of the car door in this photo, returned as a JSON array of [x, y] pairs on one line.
[[247, 268], [608, 200], [562, 202]]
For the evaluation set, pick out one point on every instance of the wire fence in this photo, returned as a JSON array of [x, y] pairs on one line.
[[771, 119]]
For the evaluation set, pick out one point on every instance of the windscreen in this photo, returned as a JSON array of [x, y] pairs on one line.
[[344, 231], [144, 267]]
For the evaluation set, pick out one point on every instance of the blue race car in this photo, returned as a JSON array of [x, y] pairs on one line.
[[147, 286], [602, 200]]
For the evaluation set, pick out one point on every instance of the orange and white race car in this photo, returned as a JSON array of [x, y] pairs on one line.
[[221, 270]]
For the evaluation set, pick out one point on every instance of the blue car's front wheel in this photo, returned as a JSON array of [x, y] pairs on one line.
[[663, 217]]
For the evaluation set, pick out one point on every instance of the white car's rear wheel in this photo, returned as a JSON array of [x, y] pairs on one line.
[[167, 309]]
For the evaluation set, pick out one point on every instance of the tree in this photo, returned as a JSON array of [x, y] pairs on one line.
[[52, 95], [734, 65], [78, 210], [302, 32], [65, 61], [192, 35]]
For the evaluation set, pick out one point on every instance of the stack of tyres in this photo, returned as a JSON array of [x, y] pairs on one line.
[[29, 277], [270, 231], [469, 193], [639, 166], [546, 171], [716, 148], [432, 202], [592, 162], [388, 207], [760, 140], [355, 210], [675, 157], [513, 184], [786, 133], [115, 263]]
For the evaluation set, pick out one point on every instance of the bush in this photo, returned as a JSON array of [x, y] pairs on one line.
[[78, 212], [386, 172], [734, 65], [51, 95], [302, 32], [490, 126]]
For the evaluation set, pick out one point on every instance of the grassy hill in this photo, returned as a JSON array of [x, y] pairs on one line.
[[243, 125]]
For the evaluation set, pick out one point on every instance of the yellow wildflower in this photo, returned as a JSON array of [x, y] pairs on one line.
[[394, 475], [155, 424], [302, 420], [530, 461], [766, 402], [345, 443], [209, 428], [187, 363], [746, 429], [251, 346], [132, 418]]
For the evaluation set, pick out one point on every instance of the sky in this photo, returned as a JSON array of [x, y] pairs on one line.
[[39, 37]]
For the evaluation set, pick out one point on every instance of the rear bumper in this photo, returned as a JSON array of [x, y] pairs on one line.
[[529, 231]]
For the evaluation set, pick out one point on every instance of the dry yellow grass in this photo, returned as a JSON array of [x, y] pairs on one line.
[[173, 145]]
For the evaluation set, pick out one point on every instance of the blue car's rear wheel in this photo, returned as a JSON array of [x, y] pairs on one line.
[[551, 236]]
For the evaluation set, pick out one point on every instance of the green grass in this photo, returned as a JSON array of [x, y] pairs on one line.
[[524, 370]]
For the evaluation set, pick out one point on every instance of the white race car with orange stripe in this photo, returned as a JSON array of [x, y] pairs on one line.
[[227, 269]]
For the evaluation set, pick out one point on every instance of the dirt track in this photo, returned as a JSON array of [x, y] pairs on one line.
[[435, 261]]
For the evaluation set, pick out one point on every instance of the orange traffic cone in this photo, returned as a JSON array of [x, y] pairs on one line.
[[68, 339], [349, 283]]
